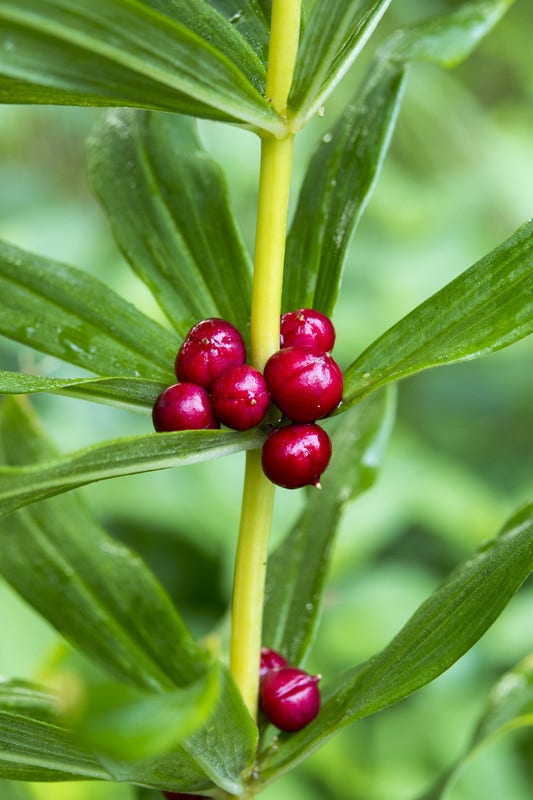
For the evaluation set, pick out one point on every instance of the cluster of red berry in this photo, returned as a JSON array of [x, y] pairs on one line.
[[217, 386], [289, 697]]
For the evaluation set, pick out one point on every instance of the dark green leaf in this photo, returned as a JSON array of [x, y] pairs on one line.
[[34, 749], [23, 697], [445, 627], [251, 18], [169, 210], [510, 707], [329, 207], [20, 486], [334, 36], [124, 52], [488, 307], [92, 589], [119, 722], [448, 39], [297, 568], [134, 394], [339, 180], [66, 312]]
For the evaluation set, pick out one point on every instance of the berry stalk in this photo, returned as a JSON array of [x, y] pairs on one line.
[[258, 491]]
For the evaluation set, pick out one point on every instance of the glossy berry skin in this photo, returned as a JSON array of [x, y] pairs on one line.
[[270, 659], [296, 455], [307, 328], [210, 347], [290, 698], [305, 385], [183, 407], [240, 397]]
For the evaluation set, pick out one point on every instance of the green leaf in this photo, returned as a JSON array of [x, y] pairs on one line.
[[20, 486], [127, 53], [71, 315], [448, 39], [510, 707], [169, 209], [297, 569], [22, 697], [335, 34], [330, 207], [486, 308], [104, 600], [35, 749], [119, 722], [251, 18], [133, 394], [445, 627], [98, 594]]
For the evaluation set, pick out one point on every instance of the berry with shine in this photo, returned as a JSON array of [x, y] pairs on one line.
[[183, 407], [296, 455], [240, 397], [210, 347], [305, 385], [307, 328], [270, 659], [290, 698]]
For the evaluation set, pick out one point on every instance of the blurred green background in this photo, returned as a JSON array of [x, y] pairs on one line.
[[457, 182]]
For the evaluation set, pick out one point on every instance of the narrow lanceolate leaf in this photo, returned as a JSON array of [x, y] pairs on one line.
[[488, 307], [32, 750], [133, 394], [335, 34], [445, 627], [97, 593], [20, 486], [449, 39], [329, 208], [251, 18], [338, 183], [297, 568], [22, 697], [510, 707], [104, 600], [120, 723], [128, 53], [67, 313], [169, 210]]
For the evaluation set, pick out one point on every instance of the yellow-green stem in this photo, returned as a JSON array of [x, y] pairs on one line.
[[258, 492]]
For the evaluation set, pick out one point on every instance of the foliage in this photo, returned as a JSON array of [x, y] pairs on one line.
[[147, 704]]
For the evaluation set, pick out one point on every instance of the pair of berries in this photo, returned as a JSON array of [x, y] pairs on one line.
[[289, 697], [217, 386]]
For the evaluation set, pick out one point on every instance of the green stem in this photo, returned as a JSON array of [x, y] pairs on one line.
[[258, 492]]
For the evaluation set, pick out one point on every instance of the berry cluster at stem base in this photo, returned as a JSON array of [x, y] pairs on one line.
[[217, 387], [289, 697]]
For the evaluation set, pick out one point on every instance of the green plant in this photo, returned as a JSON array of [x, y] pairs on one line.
[[172, 716]]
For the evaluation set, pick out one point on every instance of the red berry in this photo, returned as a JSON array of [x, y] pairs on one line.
[[183, 407], [210, 347], [290, 698], [307, 328], [240, 397], [305, 385], [270, 659], [296, 455]]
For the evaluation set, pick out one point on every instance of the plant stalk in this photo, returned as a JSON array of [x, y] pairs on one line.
[[258, 491]]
